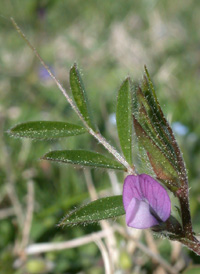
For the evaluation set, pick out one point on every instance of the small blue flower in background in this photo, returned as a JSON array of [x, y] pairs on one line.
[[44, 75], [179, 128], [112, 118]]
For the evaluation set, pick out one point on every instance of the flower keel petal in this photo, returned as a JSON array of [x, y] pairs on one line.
[[138, 215]]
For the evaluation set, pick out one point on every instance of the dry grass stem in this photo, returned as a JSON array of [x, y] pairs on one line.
[[114, 183], [6, 213], [29, 215], [47, 247], [107, 262]]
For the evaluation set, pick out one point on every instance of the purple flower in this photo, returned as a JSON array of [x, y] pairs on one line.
[[145, 201]]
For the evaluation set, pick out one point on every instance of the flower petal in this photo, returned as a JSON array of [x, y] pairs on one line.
[[144, 195], [156, 195], [138, 215], [131, 189]]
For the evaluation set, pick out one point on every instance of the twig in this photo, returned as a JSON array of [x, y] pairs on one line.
[[29, 216], [176, 257], [47, 247], [90, 185], [114, 182], [105, 256], [176, 250], [10, 179], [131, 245], [7, 212], [153, 247], [96, 135], [15, 202], [150, 241]]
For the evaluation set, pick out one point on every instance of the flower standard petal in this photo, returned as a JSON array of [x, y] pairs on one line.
[[131, 189], [156, 196], [145, 201]]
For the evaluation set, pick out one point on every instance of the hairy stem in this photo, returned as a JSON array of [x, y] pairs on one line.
[[96, 135], [189, 239], [183, 197], [193, 245]]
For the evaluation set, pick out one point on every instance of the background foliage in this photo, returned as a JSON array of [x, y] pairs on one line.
[[109, 40]]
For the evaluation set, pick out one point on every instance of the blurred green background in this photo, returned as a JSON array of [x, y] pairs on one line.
[[109, 40]]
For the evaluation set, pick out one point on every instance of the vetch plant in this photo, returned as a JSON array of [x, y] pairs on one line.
[[145, 199]]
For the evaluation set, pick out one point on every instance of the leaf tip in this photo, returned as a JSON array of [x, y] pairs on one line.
[[74, 68], [146, 70], [128, 78], [44, 157], [126, 81]]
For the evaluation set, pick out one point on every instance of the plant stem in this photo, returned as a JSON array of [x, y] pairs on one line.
[[96, 135], [193, 245], [189, 239], [183, 197]]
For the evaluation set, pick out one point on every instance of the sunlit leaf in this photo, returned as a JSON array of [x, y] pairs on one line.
[[46, 130], [80, 96], [83, 158], [124, 119], [95, 211]]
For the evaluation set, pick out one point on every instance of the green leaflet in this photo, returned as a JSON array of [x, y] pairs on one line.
[[80, 96], [83, 158], [46, 130], [95, 211], [160, 164], [156, 111], [164, 125], [157, 124], [152, 113], [123, 118], [150, 130]]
